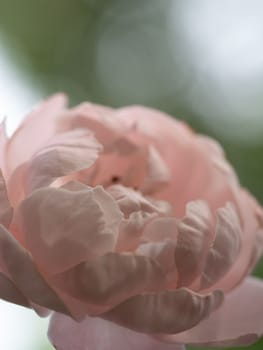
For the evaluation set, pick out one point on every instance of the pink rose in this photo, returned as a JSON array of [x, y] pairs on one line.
[[132, 229]]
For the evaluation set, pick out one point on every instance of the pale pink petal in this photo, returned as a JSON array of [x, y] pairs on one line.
[[16, 184], [6, 211], [160, 229], [111, 279], [16, 263], [9, 292], [96, 118], [40, 310], [139, 211], [35, 130], [131, 229], [256, 251], [191, 159], [237, 322], [122, 158], [75, 186], [163, 252], [251, 223], [115, 167], [166, 312], [226, 246], [66, 153], [97, 334], [63, 228], [3, 142], [157, 173], [195, 237], [131, 201]]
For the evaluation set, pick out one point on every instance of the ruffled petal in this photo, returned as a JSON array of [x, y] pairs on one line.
[[65, 154], [3, 143], [97, 334], [96, 118], [131, 201], [195, 236], [161, 228], [250, 214], [38, 126], [163, 253], [191, 159], [17, 264], [225, 249], [166, 312], [6, 211], [237, 322], [111, 279], [63, 228], [131, 230]]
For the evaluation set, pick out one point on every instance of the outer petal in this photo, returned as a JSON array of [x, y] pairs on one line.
[[195, 236], [6, 211], [96, 118], [63, 228], [163, 253], [166, 312], [3, 142], [111, 279], [97, 334], [251, 221], [226, 246], [66, 153], [9, 292], [237, 322], [36, 129], [18, 265]]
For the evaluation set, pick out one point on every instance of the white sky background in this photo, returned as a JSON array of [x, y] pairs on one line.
[[20, 328]]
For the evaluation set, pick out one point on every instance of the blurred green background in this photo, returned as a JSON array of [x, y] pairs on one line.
[[199, 60]]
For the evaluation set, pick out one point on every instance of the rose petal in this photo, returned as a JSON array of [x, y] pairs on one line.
[[226, 246], [3, 142], [161, 228], [128, 169], [163, 253], [188, 156], [237, 322], [66, 153], [6, 211], [96, 118], [166, 312], [18, 265], [97, 334], [131, 229], [9, 292], [131, 201], [251, 226], [157, 173], [63, 228], [111, 279], [38, 126], [195, 236]]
